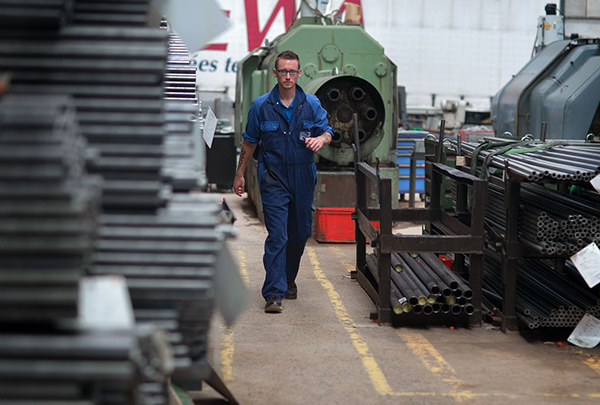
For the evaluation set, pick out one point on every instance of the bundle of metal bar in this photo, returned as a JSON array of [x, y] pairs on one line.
[[35, 14], [424, 285], [168, 260], [165, 246], [75, 367], [549, 221], [127, 13], [115, 78], [565, 223], [544, 297], [47, 209], [576, 161], [403, 298]]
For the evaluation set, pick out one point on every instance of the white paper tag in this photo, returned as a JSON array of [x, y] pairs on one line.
[[461, 161], [104, 303], [595, 182], [587, 262], [587, 332], [210, 124]]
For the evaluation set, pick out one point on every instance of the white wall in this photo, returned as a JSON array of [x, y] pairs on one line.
[[454, 47], [447, 47], [583, 18]]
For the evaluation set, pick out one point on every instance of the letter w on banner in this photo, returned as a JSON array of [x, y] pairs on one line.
[[256, 36]]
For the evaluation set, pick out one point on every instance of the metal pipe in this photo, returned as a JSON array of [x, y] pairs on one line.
[[440, 269], [423, 273]]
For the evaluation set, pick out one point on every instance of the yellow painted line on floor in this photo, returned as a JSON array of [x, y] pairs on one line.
[[593, 363], [340, 253], [375, 374], [336, 250], [227, 348], [227, 353], [242, 266], [434, 361]]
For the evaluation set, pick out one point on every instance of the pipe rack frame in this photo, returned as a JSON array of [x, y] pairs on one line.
[[512, 249], [462, 234]]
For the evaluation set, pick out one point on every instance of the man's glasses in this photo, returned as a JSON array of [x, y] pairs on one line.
[[283, 72]]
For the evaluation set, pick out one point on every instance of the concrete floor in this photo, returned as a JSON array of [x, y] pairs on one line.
[[323, 348]]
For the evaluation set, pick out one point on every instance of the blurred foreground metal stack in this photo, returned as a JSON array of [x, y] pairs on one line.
[[169, 261], [44, 15], [47, 209], [73, 367], [115, 78], [128, 13], [111, 66]]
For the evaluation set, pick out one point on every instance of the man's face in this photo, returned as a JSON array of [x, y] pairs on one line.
[[286, 79]]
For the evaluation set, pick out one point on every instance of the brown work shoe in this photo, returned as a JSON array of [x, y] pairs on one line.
[[273, 305], [291, 292]]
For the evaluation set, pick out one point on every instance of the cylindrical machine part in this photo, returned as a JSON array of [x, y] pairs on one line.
[[357, 93], [344, 114], [369, 113], [336, 137], [333, 94]]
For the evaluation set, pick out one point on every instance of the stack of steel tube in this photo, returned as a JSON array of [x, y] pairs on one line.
[[577, 161], [422, 284], [545, 298], [184, 146], [557, 222], [47, 209], [551, 222]]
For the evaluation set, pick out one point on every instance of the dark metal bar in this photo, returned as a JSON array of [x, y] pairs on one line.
[[413, 179], [406, 214], [432, 243], [440, 145], [368, 171], [365, 227], [543, 131], [509, 320]]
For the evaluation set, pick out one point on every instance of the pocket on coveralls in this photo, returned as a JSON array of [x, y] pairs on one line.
[[306, 131]]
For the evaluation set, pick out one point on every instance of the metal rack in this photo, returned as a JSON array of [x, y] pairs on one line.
[[461, 234], [507, 242]]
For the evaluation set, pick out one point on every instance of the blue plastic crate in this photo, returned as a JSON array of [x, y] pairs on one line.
[[405, 171], [404, 186]]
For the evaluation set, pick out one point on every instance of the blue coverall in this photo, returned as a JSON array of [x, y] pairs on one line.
[[287, 176]]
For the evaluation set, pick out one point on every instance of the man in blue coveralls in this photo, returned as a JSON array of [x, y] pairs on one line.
[[290, 126]]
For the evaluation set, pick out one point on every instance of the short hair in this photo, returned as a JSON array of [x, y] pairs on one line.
[[287, 55]]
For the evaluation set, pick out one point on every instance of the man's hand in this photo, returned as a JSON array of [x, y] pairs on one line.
[[239, 183], [317, 143]]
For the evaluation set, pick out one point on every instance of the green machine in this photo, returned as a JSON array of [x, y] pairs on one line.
[[349, 73]]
